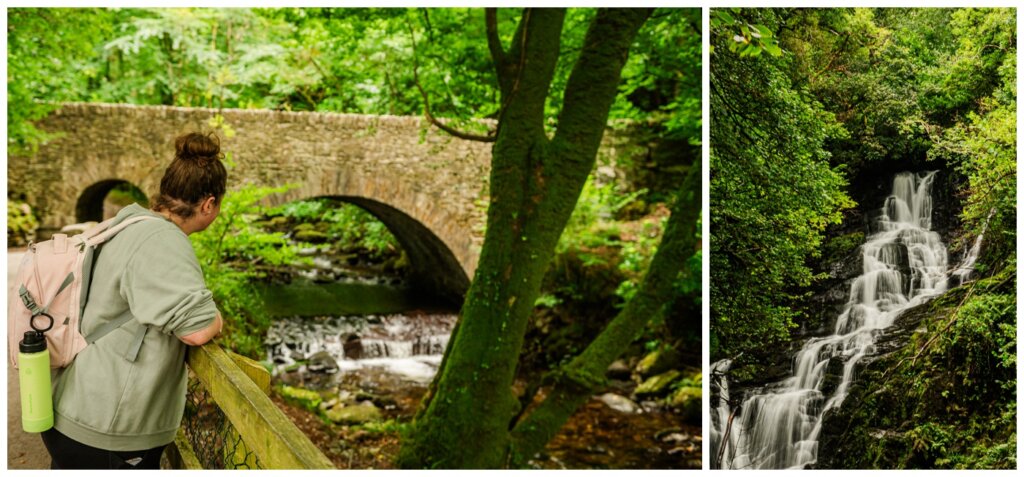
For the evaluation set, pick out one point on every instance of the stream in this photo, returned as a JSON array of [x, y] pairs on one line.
[[368, 340]]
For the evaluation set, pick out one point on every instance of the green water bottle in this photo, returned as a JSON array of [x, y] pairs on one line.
[[34, 377]]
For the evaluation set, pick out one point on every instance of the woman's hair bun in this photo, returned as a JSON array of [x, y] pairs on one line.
[[197, 146]]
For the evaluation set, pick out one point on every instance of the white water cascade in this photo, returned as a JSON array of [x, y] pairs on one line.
[[905, 263]]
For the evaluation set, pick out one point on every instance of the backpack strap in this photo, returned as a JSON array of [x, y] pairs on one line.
[[30, 303], [106, 328], [133, 349]]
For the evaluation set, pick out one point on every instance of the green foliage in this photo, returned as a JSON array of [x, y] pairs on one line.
[[982, 145], [229, 251], [350, 226], [592, 230], [127, 194], [49, 62], [661, 81], [353, 60], [747, 39], [773, 193], [982, 341], [21, 222]]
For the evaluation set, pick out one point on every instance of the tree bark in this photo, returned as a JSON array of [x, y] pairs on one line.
[[535, 183]]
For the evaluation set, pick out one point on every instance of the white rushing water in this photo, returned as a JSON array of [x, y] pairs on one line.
[[904, 264], [406, 346]]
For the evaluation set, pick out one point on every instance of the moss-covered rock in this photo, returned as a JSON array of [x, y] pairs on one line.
[[311, 236], [305, 398], [353, 415], [687, 400], [657, 385], [658, 361]]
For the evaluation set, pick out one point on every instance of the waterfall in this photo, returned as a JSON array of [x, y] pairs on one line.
[[904, 264], [962, 273]]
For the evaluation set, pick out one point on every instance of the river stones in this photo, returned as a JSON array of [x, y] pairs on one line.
[[619, 403], [322, 362], [618, 370]]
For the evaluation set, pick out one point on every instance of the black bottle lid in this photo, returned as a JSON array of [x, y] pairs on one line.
[[34, 342]]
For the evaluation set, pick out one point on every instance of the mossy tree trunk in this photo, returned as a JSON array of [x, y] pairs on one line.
[[465, 419]]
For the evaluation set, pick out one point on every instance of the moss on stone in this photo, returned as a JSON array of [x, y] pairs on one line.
[[311, 236], [657, 385], [687, 400], [353, 415], [305, 398], [658, 361]]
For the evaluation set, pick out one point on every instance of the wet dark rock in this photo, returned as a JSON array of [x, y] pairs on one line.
[[353, 347], [322, 362], [833, 376], [619, 370]]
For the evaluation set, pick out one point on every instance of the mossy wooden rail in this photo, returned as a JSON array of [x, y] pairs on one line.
[[232, 382]]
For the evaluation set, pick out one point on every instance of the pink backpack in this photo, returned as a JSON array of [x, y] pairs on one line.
[[50, 290]]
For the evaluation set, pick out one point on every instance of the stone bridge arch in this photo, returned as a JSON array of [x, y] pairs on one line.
[[90, 204], [422, 227]]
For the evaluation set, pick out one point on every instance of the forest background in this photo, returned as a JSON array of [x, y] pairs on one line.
[[810, 105]]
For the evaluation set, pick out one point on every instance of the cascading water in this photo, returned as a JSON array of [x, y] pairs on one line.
[[904, 264], [401, 345]]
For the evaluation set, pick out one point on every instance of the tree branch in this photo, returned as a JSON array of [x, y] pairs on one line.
[[494, 40], [426, 101]]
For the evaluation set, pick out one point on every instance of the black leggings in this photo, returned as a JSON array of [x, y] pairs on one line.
[[67, 453]]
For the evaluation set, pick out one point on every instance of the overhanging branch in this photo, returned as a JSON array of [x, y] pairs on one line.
[[426, 101]]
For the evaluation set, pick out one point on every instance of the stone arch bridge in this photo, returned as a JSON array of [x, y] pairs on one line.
[[429, 188]]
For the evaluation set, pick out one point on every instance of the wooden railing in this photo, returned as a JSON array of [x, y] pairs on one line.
[[240, 388]]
